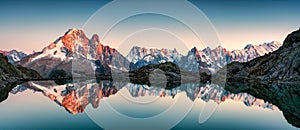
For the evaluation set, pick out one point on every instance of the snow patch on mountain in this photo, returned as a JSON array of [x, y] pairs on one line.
[[54, 50]]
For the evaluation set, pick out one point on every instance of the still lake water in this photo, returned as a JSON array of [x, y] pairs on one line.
[[109, 105]]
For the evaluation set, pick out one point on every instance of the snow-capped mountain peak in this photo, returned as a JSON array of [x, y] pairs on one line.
[[13, 56], [248, 46], [73, 41], [72, 46], [252, 51]]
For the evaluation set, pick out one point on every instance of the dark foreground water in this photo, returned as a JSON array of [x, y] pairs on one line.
[[107, 105]]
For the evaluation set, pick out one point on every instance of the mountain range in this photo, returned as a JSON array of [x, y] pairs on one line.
[[207, 59], [75, 50]]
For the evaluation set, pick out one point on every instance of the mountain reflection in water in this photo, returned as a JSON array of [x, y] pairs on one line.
[[76, 97]]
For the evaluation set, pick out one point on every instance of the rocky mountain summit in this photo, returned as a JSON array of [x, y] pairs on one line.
[[74, 50]]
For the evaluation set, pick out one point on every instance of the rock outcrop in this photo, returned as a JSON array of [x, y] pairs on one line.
[[11, 73]]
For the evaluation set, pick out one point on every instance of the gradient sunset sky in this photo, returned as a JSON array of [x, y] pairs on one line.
[[33, 24]]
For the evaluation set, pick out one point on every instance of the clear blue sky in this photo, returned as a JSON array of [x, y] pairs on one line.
[[32, 24]]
